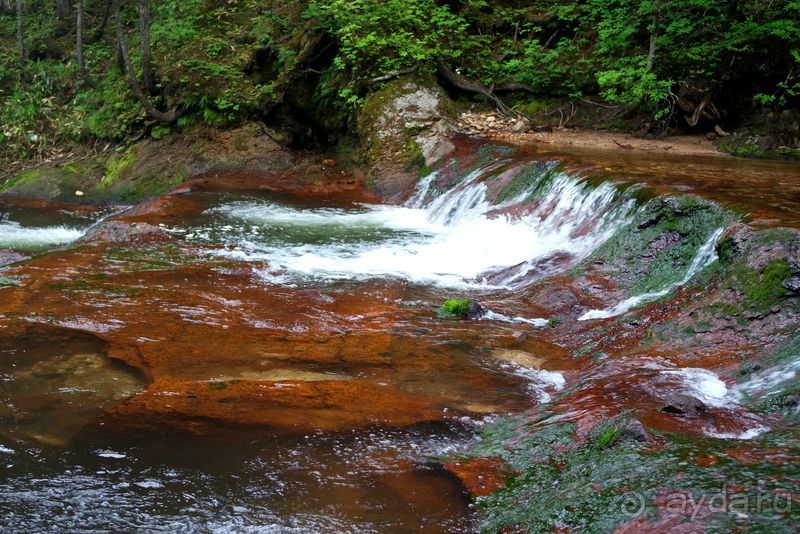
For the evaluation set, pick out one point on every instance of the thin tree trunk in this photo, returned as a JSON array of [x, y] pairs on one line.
[[20, 33], [144, 33], [654, 34], [79, 41], [160, 116]]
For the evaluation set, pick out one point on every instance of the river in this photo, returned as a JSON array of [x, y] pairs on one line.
[[274, 362]]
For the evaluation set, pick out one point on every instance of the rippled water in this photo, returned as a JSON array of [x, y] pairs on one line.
[[29, 230], [279, 367]]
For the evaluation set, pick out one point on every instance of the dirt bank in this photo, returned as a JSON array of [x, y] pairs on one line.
[[496, 127]]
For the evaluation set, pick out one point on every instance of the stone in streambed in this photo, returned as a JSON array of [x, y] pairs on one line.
[[684, 406], [519, 336], [635, 431], [521, 126], [125, 232]]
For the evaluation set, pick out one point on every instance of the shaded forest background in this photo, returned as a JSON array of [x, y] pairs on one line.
[[88, 72]]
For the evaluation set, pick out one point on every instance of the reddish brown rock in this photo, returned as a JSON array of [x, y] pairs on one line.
[[481, 476]]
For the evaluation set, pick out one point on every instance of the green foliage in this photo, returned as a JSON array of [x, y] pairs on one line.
[[607, 438], [454, 308], [223, 61]]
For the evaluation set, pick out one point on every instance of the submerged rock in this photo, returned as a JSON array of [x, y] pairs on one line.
[[684, 406], [519, 357], [635, 431]]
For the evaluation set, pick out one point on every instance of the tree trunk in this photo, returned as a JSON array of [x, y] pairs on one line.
[[20, 33], [79, 41], [475, 87], [160, 116], [144, 32], [654, 34]]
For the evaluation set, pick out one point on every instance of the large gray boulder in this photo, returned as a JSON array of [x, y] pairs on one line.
[[404, 129]]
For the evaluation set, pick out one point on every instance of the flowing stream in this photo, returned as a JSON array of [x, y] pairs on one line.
[[456, 240], [276, 364]]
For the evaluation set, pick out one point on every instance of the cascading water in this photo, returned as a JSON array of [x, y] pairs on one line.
[[456, 239], [705, 256], [332, 387], [14, 235]]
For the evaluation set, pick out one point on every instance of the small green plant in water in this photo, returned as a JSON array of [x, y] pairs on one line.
[[454, 308], [606, 438]]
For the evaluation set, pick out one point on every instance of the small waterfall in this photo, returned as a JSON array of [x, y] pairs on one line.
[[456, 237], [422, 191], [705, 256]]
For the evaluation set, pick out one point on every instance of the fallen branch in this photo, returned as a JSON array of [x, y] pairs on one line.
[[598, 104], [476, 87], [395, 74], [627, 147]]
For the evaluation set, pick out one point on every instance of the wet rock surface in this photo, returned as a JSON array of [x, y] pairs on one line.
[[645, 401], [117, 231], [8, 256], [152, 167], [684, 406]]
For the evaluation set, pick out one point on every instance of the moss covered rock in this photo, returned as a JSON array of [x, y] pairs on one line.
[[405, 128], [768, 135], [461, 309], [658, 246]]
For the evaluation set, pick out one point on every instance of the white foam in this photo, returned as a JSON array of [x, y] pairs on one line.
[[14, 235], [540, 380], [494, 316], [705, 256], [703, 384], [456, 241], [111, 454], [747, 434], [767, 382]]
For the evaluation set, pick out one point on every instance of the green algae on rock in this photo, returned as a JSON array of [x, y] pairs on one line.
[[657, 247]]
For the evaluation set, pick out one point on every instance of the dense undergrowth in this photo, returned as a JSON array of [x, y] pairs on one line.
[[308, 65]]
